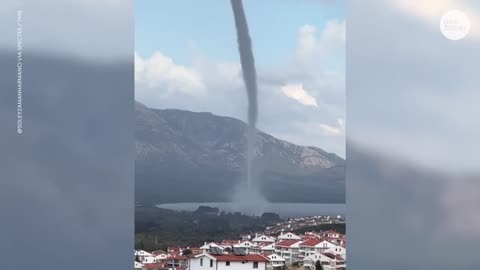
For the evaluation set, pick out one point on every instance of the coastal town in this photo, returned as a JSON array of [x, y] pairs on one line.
[[276, 248], [298, 223]]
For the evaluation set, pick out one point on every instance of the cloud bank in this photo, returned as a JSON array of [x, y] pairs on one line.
[[299, 99]]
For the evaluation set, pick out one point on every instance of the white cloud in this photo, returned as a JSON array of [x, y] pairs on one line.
[[329, 130], [218, 73], [313, 47], [307, 41], [161, 73], [216, 85], [341, 123], [298, 93]]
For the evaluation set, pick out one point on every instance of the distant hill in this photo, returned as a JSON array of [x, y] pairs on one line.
[[185, 156]]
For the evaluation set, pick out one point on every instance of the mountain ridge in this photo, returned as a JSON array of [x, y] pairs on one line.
[[176, 146]]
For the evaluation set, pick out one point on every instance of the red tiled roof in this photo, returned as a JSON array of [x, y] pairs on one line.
[[311, 242], [178, 257], [331, 240], [265, 244], [237, 258], [331, 231], [158, 252], [266, 236], [330, 255], [286, 243], [310, 236], [333, 256], [153, 266], [208, 245], [174, 249]]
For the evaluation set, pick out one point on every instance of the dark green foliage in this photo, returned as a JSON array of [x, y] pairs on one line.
[[318, 265], [271, 217], [207, 210], [187, 252], [174, 228]]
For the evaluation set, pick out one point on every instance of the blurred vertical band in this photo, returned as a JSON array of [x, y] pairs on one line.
[[66, 136], [413, 182]]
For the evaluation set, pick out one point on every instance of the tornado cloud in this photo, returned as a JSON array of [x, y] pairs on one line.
[[247, 60], [250, 80]]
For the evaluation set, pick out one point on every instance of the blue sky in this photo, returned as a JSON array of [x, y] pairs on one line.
[[187, 58], [174, 27]]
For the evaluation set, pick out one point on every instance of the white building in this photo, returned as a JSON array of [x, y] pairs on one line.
[[261, 239], [177, 260], [149, 260], [207, 246], [331, 234], [341, 241], [310, 247], [206, 261], [138, 266], [229, 243], [142, 255], [153, 266], [275, 262], [160, 258], [325, 245], [267, 248], [328, 261], [288, 249], [289, 236], [246, 237], [248, 247], [338, 250], [313, 246]]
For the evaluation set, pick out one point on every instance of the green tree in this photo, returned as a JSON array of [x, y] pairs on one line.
[[187, 252], [318, 265]]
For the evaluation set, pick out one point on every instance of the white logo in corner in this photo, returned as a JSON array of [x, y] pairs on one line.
[[455, 25]]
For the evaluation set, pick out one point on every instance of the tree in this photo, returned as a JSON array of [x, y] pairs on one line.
[[318, 265], [207, 210], [187, 252], [270, 217]]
